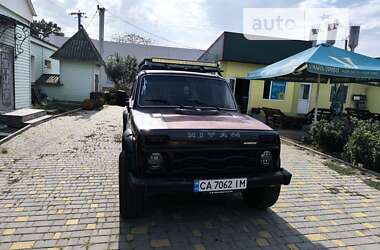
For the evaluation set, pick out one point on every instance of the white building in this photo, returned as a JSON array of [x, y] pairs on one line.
[[44, 70], [79, 68], [15, 84]]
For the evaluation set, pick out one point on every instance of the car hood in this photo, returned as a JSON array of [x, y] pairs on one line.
[[152, 119]]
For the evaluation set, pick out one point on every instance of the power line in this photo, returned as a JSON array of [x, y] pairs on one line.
[[144, 30], [91, 19], [148, 32]]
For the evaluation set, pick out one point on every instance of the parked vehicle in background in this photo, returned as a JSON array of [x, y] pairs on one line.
[[183, 132]]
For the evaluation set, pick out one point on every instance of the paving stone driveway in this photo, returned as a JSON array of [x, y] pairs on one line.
[[59, 189]]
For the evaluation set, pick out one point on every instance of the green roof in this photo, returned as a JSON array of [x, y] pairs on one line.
[[79, 47], [235, 47]]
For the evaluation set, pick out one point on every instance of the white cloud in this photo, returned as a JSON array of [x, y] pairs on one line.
[[366, 15], [182, 21], [317, 3], [195, 23]]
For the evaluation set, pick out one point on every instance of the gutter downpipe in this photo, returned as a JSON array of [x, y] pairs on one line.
[[316, 99]]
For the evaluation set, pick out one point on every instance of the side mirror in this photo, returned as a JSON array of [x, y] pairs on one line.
[[127, 104]]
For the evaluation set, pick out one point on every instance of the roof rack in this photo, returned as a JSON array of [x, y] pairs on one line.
[[181, 65]]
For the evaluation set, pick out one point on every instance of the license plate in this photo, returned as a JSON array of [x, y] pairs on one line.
[[220, 185]]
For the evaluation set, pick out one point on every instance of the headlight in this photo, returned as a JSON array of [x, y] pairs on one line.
[[266, 158], [155, 160]]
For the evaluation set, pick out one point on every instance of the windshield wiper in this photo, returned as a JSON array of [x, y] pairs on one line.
[[203, 105], [157, 101]]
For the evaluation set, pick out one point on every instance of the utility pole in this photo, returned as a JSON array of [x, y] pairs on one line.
[[79, 15], [101, 29], [101, 41]]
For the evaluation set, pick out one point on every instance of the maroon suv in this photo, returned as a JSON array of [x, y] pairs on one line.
[[183, 132]]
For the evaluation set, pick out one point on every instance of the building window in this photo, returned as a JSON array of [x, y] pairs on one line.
[[341, 95], [48, 64], [274, 90]]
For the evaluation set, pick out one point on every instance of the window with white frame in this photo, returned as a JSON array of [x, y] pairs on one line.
[[48, 64], [274, 90]]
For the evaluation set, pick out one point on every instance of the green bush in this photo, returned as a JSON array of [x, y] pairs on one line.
[[363, 145], [332, 135]]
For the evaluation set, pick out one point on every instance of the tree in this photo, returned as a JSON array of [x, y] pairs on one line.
[[43, 29], [122, 70], [132, 38]]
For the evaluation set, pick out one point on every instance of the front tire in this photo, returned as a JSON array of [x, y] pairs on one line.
[[262, 198], [131, 199]]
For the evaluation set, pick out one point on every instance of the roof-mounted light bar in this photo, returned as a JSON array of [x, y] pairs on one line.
[[184, 62], [182, 65]]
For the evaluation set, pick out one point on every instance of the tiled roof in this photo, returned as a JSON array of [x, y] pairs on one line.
[[80, 47]]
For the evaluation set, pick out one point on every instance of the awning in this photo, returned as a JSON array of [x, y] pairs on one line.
[[49, 79], [322, 64], [326, 62]]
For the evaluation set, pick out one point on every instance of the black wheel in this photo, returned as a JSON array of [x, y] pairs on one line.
[[263, 197], [131, 199]]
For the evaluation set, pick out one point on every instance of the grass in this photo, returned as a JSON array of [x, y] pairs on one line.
[[340, 168], [372, 183], [58, 107]]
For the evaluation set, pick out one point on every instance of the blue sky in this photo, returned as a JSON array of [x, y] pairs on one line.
[[196, 23]]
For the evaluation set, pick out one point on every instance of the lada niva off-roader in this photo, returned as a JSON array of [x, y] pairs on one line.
[[183, 132]]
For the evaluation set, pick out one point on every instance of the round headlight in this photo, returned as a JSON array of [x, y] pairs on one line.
[[155, 160], [266, 158]]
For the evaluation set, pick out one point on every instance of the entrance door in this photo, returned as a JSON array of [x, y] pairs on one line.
[[6, 78], [242, 94], [304, 98]]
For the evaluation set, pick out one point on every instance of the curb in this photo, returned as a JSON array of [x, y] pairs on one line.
[[36, 124], [368, 171], [15, 133]]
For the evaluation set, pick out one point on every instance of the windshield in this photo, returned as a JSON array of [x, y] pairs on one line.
[[179, 90]]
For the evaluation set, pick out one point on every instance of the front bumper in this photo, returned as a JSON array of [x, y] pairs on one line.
[[158, 184]]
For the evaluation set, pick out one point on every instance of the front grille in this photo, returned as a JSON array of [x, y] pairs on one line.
[[213, 162]]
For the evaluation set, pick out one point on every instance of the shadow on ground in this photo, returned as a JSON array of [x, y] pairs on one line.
[[215, 222]]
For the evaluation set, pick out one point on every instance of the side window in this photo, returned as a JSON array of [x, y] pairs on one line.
[[48, 64], [133, 91], [232, 83]]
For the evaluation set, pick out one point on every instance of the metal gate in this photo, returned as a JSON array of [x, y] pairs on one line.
[[6, 78]]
